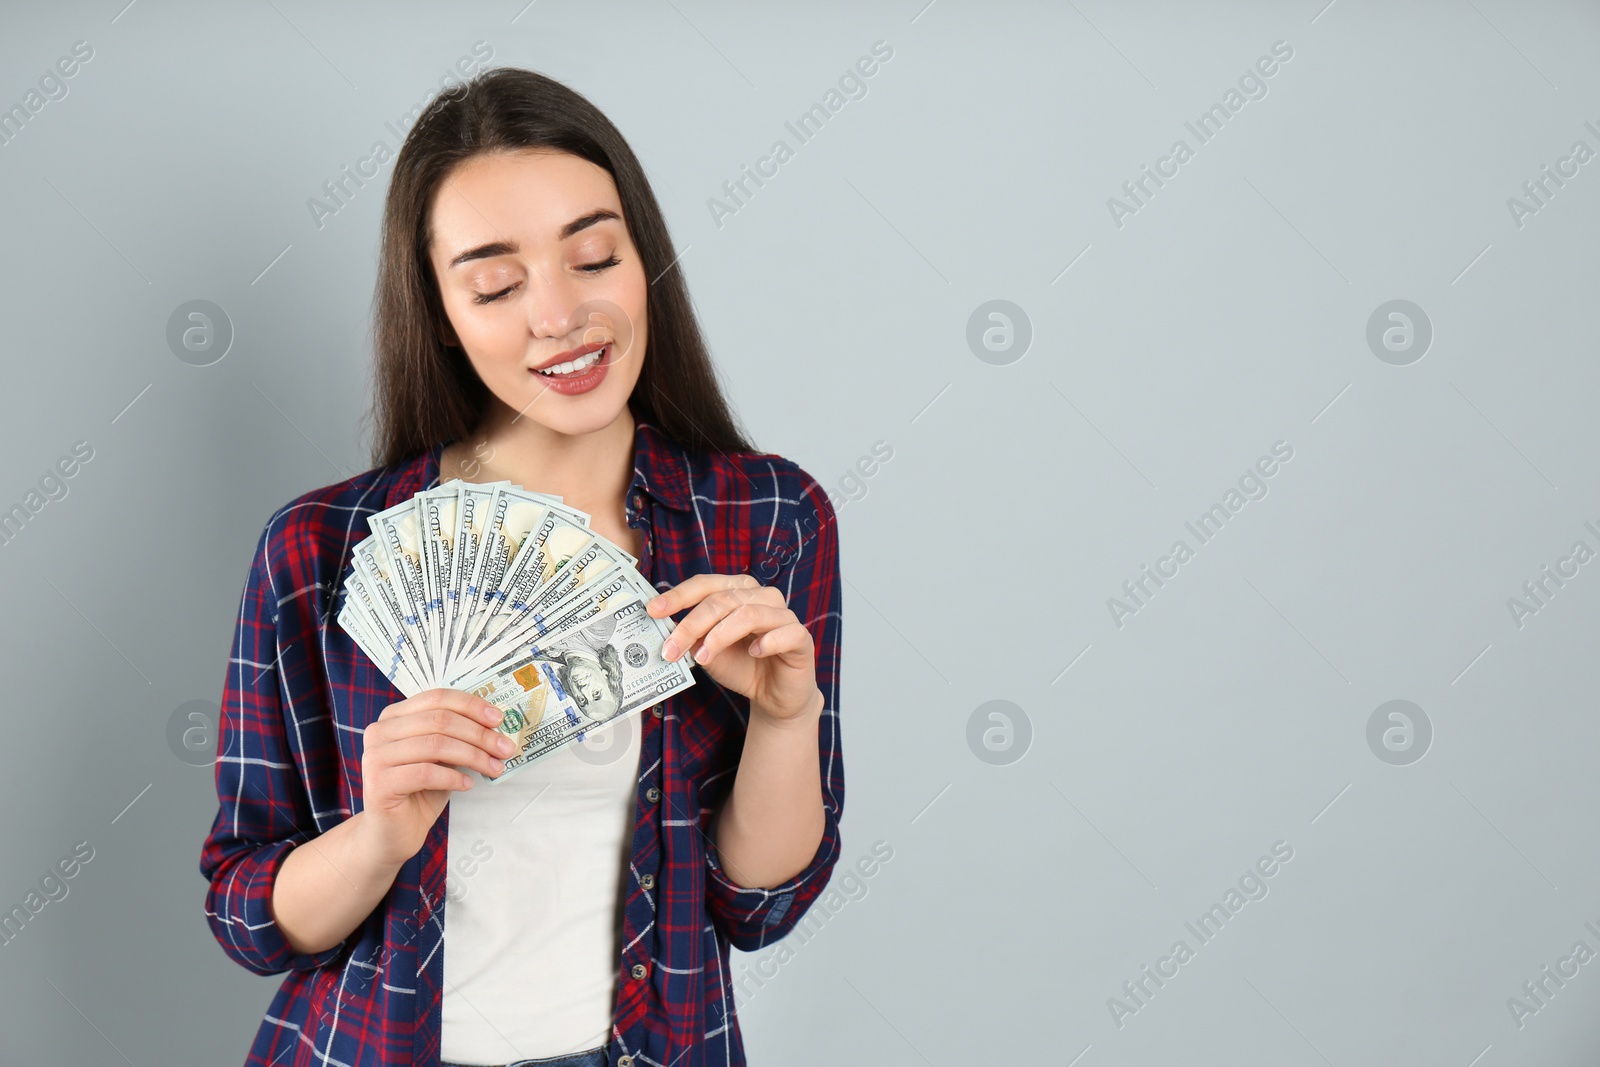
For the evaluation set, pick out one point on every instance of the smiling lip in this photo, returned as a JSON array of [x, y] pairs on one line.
[[567, 357], [577, 381]]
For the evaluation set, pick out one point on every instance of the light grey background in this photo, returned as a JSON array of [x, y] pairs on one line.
[[1168, 354]]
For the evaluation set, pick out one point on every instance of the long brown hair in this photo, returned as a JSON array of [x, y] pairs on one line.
[[425, 392]]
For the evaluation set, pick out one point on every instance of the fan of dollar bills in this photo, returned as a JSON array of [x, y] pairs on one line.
[[509, 595]]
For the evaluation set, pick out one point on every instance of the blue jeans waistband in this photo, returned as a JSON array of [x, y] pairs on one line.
[[595, 1057]]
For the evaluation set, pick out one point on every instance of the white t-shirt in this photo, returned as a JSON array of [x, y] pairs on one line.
[[533, 901]]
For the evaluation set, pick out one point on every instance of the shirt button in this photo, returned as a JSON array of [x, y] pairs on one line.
[[639, 970], [624, 1061], [656, 711], [638, 501], [647, 881], [652, 794]]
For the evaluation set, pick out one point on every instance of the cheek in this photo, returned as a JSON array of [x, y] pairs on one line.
[[630, 294], [494, 341]]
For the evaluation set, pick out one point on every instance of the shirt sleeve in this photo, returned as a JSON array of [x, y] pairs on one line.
[[262, 799], [810, 581]]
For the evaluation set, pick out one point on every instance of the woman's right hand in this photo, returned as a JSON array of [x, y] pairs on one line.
[[409, 765]]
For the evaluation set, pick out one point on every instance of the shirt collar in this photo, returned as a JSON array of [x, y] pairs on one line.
[[660, 468], [660, 471]]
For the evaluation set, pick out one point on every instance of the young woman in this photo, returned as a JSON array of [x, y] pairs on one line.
[[531, 325]]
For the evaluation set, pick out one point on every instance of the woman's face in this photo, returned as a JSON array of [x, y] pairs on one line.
[[542, 285]]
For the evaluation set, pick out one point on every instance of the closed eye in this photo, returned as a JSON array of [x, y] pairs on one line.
[[587, 268]]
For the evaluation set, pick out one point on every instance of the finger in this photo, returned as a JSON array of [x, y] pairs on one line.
[[441, 721], [455, 699], [438, 748], [705, 615], [691, 591], [743, 621], [415, 777], [791, 638]]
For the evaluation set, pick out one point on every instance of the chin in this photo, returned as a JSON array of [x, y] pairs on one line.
[[573, 416]]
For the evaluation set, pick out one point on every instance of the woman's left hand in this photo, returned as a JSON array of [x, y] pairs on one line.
[[747, 639]]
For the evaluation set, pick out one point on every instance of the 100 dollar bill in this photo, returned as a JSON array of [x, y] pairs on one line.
[[579, 679], [542, 552]]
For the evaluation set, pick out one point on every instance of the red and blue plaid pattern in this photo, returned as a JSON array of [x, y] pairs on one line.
[[299, 694]]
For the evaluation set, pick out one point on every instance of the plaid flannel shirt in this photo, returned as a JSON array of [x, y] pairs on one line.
[[299, 694]]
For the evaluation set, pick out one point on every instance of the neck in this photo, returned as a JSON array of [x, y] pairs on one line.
[[590, 471]]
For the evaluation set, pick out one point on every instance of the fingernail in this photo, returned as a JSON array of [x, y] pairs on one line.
[[670, 650]]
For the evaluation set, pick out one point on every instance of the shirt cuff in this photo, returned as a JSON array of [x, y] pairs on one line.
[[250, 932], [754, 917]]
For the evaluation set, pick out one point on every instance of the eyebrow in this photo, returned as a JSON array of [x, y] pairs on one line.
[[505, 248]]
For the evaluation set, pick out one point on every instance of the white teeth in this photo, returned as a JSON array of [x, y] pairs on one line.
[[579, 364]]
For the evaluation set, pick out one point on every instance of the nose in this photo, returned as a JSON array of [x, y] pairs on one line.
[[552, 301]]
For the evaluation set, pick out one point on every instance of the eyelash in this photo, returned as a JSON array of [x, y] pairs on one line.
[[589, 268]]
